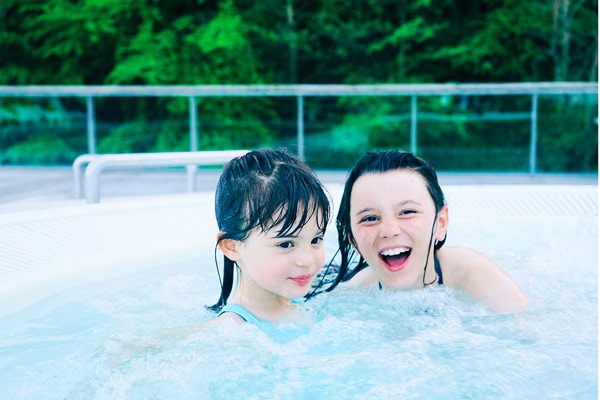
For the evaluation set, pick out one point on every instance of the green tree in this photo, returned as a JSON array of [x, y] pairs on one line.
[[160, 42]]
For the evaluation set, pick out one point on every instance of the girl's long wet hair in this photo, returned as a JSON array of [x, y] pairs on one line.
[[377, 162], [263, 189]]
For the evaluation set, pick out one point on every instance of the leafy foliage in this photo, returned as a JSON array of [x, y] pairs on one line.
[[158, 42]]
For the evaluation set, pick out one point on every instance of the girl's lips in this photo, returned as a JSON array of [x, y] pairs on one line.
[[302, 280], [395, 260]]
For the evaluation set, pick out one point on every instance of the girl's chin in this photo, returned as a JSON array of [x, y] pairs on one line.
[[397, 282]]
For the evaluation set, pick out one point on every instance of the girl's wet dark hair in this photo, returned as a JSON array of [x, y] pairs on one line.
[[378, 162], [261, 190]]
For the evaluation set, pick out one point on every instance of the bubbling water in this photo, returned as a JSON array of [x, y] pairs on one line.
[[124, 338]]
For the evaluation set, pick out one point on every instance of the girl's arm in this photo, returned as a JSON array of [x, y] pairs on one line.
[[482, 279]]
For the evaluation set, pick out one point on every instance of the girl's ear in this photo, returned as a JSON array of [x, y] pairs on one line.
[[229, 247], [442, 224]]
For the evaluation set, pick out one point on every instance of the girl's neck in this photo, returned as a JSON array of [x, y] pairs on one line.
[[268, 307]]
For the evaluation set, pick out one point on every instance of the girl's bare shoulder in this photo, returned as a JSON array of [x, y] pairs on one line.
[[461, 264], [482, 278]]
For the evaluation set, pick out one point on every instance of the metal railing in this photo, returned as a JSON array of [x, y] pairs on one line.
[[97, 163], [414, 91]]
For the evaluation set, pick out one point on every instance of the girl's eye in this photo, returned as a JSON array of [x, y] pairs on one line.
[[407, 212], [317, 240], [286, 245], [369, 218]]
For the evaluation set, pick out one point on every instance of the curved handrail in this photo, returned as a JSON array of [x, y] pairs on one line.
[[78, 169], [191, 159]]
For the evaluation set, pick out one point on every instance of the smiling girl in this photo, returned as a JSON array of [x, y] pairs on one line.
[[272, 213], [393, 215]]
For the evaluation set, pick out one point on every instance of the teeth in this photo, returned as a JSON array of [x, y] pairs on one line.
[[394, 252]]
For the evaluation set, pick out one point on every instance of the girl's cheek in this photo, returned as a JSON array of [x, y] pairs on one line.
[[413, 225], [364, 233], [321, 259]]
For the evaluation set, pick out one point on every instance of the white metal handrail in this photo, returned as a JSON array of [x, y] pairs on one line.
[[98, 163], [427, 89], [414, 91], [78, 170]]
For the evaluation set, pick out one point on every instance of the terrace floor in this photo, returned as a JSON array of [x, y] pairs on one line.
[[25, 188]]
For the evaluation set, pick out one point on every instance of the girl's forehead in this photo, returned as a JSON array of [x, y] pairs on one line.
[[310, 225], [374, 190], [397, 178], [293, 219]]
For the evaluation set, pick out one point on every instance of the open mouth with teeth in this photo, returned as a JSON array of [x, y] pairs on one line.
[[395, 259]]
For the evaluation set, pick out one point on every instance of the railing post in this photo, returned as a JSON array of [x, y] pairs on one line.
[[300, 133], [193, 124], [413, 124], [533, 134], [91, 125], [192, 169]]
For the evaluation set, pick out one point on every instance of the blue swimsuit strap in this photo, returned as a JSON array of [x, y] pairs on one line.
[[244, 314], [438, 270]]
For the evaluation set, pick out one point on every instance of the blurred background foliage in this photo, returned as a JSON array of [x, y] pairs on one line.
[[189, 42]]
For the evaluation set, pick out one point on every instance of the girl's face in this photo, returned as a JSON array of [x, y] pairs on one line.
[[279, 267], [391, 217]]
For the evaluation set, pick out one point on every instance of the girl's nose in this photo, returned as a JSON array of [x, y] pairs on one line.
[[389, 229], [307, 257]]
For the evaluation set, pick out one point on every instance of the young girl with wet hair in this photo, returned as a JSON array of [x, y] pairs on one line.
[[272, 213], [393, 217]]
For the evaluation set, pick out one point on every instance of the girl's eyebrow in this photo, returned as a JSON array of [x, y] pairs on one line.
[[289, 236], [277, 237], [400, 204], [364, 210]]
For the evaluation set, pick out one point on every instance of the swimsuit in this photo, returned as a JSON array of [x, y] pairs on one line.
[[282, 333], [247, 316], [438, 270]]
